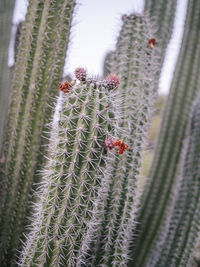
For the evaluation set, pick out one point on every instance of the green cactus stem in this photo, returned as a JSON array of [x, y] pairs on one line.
[[107, 241], [6, 12], [108, 64], [72, 178], [38, 69], [177, 242], [162, 13], [184, 88]]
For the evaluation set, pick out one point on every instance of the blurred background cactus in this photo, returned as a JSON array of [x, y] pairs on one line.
[[39, 67], [164, 171], [76, 185], [6, 13]]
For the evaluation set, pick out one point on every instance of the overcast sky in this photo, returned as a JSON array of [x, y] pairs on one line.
[[96, 25]]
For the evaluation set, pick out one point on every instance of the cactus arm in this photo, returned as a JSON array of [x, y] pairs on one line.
[[114, 219], [164, 169], [66, 203], [6, 12], [162, 14], [177, 243], [39, 67], [138, 109]]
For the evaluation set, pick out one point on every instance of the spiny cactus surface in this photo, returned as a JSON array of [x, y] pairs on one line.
[[176, 245], [184, 88], [72, 178], [38, 69], [6, 12], [107, 241]]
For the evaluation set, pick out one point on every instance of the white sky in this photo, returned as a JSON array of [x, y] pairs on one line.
[[95, 29]]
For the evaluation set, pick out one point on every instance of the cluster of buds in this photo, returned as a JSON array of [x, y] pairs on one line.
[[66, 87], [112, 82], [81, 74], [152, 42], [110, 143]]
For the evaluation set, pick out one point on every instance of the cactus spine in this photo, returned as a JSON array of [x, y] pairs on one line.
[[72, 179], [107, 241], [39, 67], [177, 243], [172, 133], [6, 8]]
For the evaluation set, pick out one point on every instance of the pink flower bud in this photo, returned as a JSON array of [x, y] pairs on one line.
[[109, 143], [112, 82], [81, 74]]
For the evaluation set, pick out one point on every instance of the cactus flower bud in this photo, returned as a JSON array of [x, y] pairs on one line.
[[81, 74], [112, 82], [109, 143]]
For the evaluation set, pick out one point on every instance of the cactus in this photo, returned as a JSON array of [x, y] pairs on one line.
[[162, 13], [38, 69], [184, 89], [177, 243], [72, 178], [108, 64], [18, 33], [6, 9], [107, 241]]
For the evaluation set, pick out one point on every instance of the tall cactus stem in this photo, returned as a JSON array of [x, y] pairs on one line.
[[177, 242], [38, 69], [6, 12], [184, 88], [107, 242], [72, 178]]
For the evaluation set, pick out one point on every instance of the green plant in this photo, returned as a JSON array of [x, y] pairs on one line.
[[107, 240], [177, 242], [86, 205], [163, 173], [39, 67], [6, 11], [73, 175], [108, 64]]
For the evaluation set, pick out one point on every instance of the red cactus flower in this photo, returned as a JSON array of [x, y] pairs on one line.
[[112, 81], [152, 42], [80, 74], [121, 146], [66, 87]]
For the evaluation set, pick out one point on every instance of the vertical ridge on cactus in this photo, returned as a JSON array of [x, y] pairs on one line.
[[184, 88], [176, 245], [39, 67], [107, 241], [6, 7], [72, 179]]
